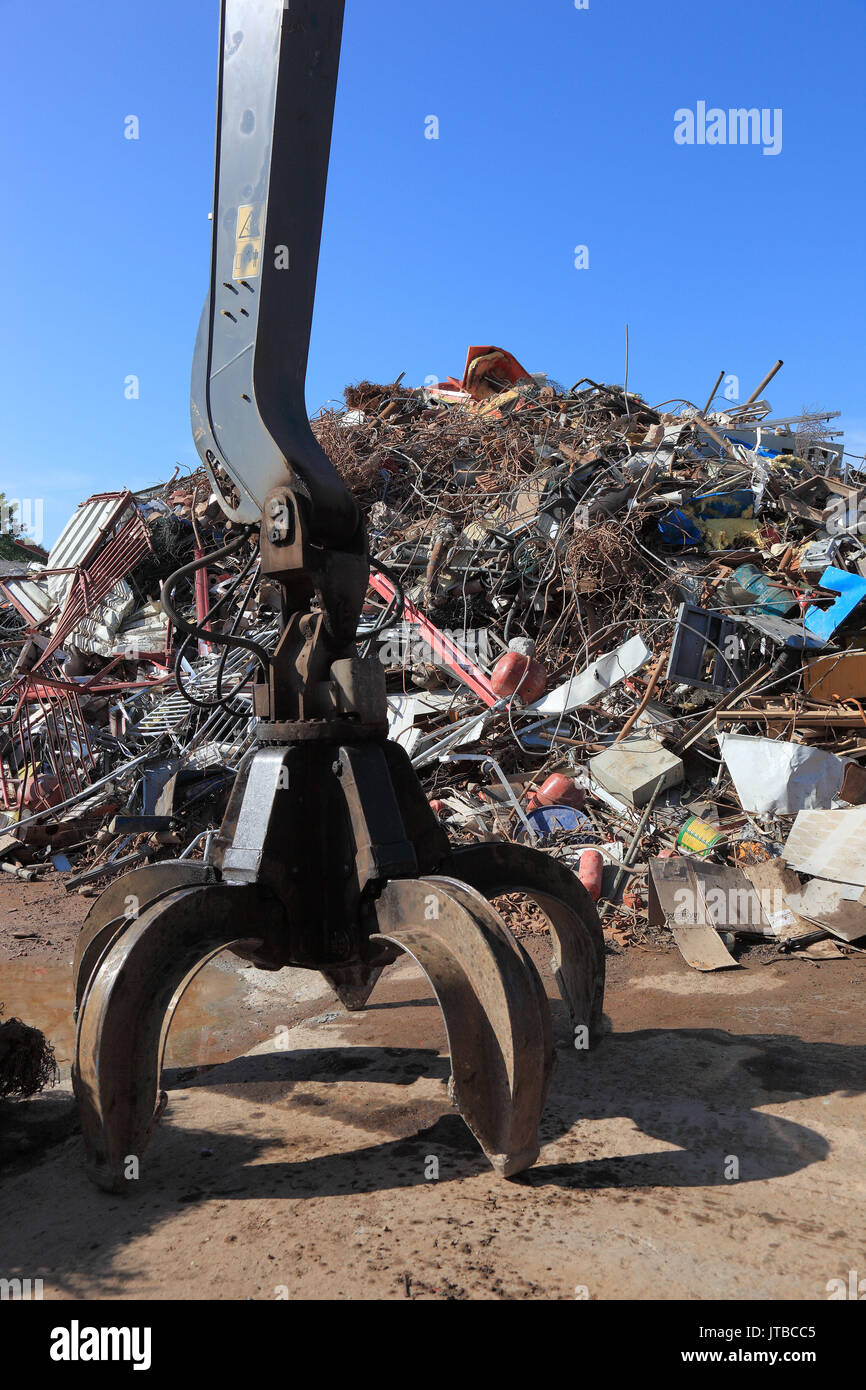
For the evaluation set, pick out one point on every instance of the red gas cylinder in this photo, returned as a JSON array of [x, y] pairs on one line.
[[38, 793], [560, 790], [523, 675], [589, 873]]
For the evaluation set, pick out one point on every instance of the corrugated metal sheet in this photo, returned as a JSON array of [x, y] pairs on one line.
[[81, 535], [30, 597], [95, 579]]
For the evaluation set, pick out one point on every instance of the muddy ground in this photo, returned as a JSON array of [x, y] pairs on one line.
[[712, 1146]]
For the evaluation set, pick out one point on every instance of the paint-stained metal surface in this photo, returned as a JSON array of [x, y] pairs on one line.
[[277, 85]]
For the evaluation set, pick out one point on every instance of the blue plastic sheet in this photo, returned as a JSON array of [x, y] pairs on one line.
[[715, 506], [678, 529], [852, 591]]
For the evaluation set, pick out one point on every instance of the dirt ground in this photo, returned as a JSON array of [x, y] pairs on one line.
[[712, 1146]]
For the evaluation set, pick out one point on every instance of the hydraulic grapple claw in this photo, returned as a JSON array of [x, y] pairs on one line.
[[495, 1014], [120, 903], [575, 928], [127, 1009], [276, 882]]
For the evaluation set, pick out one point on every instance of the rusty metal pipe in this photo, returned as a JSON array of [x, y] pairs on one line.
[[719, 379], [767, 379]]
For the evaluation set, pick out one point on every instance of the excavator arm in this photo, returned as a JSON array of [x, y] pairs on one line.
[[276, 89], [329, 855]]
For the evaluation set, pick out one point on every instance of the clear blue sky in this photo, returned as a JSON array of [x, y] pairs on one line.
[[556, 129]]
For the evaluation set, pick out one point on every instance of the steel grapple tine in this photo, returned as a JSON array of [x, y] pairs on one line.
[[476, 903], [494, 1009], [575, 927], [98, 946], [125, 1015], [120, 903]]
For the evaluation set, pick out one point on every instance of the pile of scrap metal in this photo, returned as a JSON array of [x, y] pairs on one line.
[[27, 1060], [103, 764], [630, 635]]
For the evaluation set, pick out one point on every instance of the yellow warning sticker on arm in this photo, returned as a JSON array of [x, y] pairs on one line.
[[248, 242]]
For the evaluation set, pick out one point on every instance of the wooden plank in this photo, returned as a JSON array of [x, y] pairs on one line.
[[806, 719], [706, 721], [840, 677]]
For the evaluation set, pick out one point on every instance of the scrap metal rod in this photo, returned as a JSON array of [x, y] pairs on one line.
[[712, 397], [629, 854], [767, 379]]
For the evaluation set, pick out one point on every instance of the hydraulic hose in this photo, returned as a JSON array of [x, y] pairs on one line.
[[194, 630]]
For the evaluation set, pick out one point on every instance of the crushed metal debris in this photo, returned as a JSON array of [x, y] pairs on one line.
[[27, 1061], [632, 635]]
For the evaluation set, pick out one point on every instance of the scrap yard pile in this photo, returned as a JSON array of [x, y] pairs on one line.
[[120, 735], [633, 636]]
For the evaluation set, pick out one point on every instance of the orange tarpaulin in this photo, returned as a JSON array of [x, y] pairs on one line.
[[490, 370]]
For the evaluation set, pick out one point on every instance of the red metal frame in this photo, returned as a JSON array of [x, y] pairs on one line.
[[94, 580], [59, 705], [441, 646]]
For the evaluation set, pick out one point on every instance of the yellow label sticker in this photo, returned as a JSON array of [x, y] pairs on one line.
[[248, 242]]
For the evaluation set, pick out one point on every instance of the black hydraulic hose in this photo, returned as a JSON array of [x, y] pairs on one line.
[[224, 702], [399, 591], [196, 631], [399, 594], [387, 616], [232, 630], [220, 699]]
